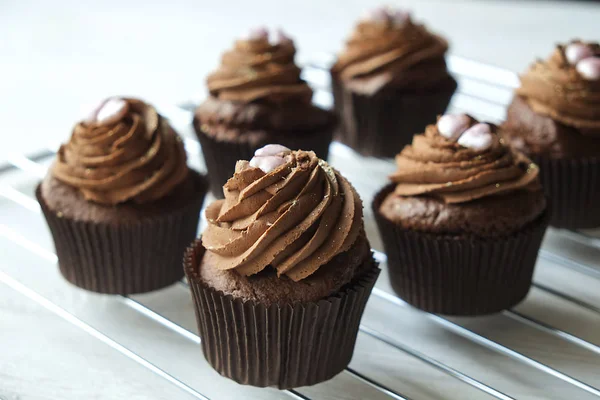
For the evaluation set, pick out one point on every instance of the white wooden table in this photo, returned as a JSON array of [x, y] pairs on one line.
[[61, 342]]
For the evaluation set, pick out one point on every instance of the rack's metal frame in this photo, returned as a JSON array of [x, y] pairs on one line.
[[484, 91]]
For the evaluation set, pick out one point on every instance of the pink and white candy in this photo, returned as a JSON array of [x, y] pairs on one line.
[[589, 68], [452, 125], [271, 150], [262, 33], [282, 37], [576, 52], [584, 59], [379, 14], [110, 110], [257, 33], [400, 16], [478, 137], [384, 14], [269, 157]]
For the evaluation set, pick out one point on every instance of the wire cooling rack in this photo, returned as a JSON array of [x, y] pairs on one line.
[[548, 347]]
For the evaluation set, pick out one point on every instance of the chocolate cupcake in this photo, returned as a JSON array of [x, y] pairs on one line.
[[463, 220], [257, 97], [282, 274], [120, 201], [554, 118], [388, 82]]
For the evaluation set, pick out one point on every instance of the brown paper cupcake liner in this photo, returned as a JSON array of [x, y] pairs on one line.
[[123, 258], [220, 156], [382, 124], [278, 346], [573, 186], [459, 275]]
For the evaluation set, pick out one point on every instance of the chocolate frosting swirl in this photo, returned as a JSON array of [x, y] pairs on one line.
[[555, 88], [296, 217], [438, 166], [256, 69], [402, 52], [124, 152]]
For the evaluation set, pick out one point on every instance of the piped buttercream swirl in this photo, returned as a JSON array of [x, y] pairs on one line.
[[125, 151], [258, 69], [393, 43], [563, 87], [295, 217], [459, 160]]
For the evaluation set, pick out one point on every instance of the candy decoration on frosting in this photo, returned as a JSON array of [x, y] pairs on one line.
[[589, 68], [282, 37], [387, 14], [269, 157], [457, 127], [258, 33], [378, 14], [261, 33], [109, 111], [585, 60], [400, 17], [271, 150], [452, 125], [478, 137], [576, 52]]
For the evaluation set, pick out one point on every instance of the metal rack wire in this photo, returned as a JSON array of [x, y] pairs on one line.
[[484, 91]]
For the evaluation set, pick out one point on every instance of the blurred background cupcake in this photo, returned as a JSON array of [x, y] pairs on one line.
[[388, 82], [462, 220], [555, 119], [120, 201], [285, 260], [257, 97]]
